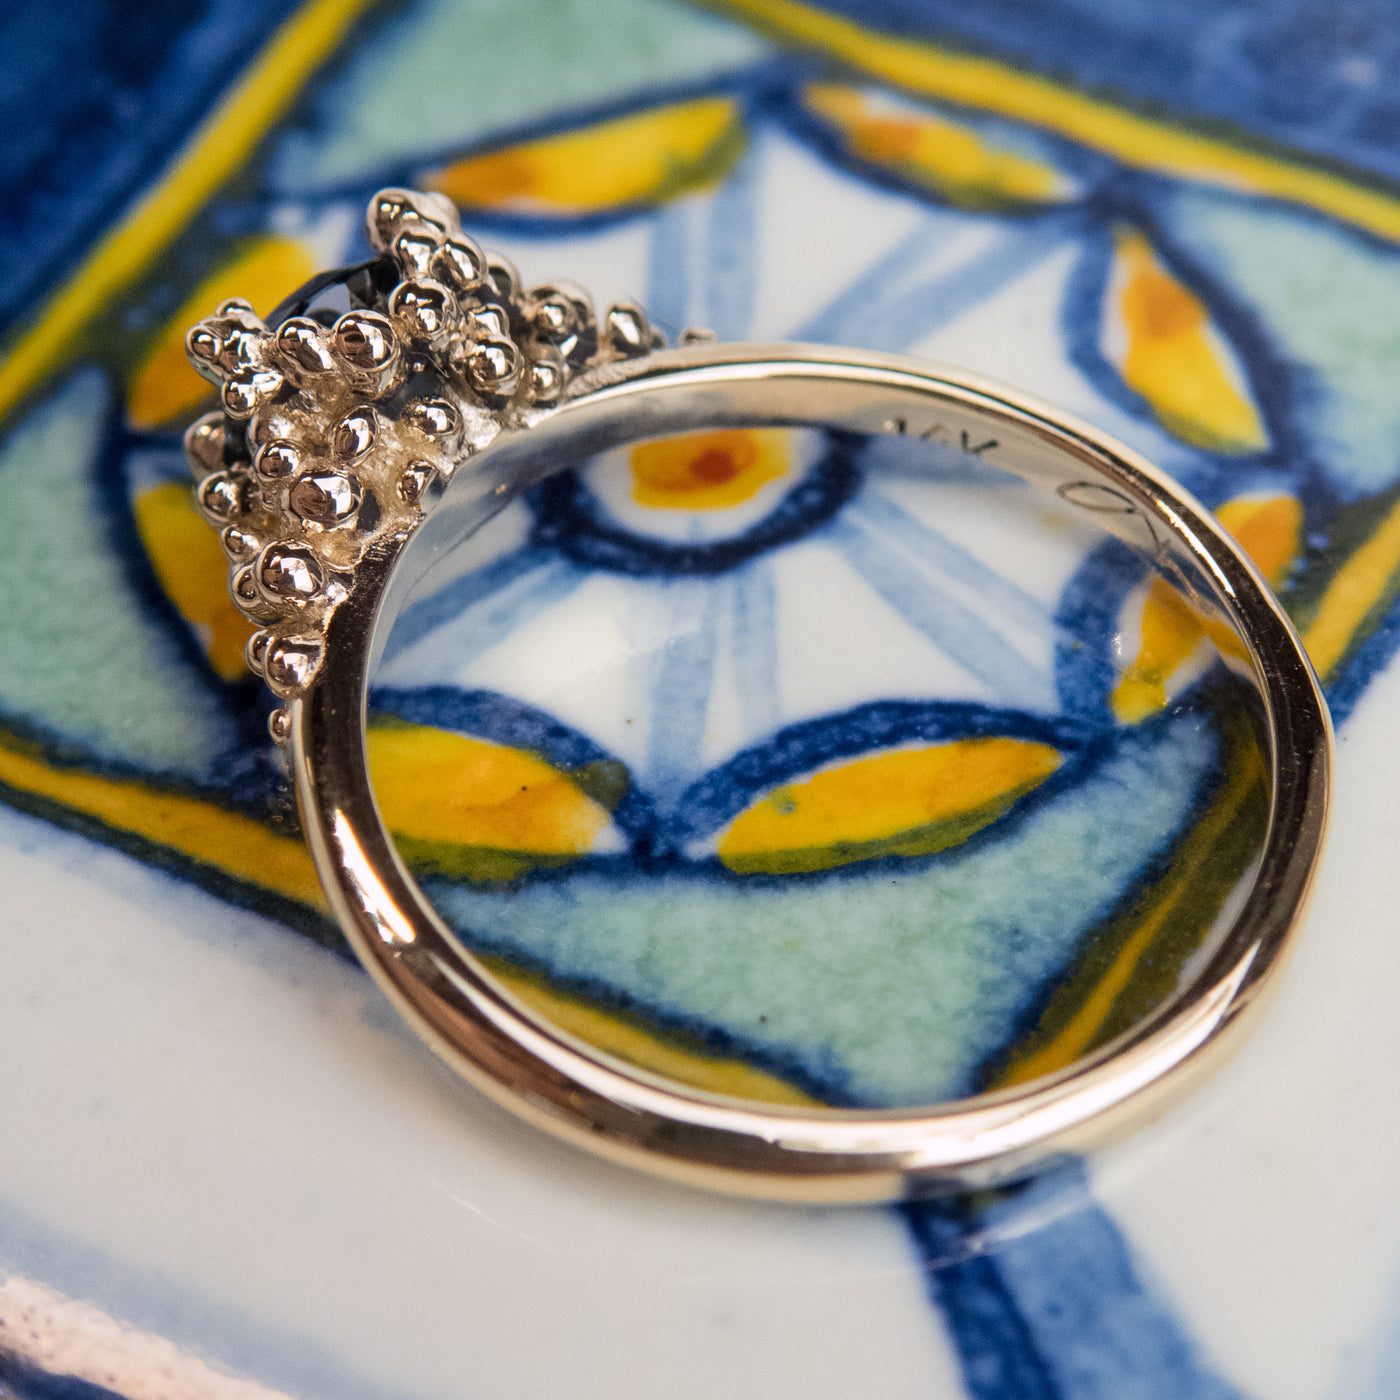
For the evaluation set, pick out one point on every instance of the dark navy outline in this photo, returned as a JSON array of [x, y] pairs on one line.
[[490, 715], [877, 726], [785, 105], [26, 1381], [568, 521]]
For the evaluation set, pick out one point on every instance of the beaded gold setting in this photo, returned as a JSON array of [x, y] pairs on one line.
[[334, 432]]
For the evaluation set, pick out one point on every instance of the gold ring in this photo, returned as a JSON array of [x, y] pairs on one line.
[[387, 411]]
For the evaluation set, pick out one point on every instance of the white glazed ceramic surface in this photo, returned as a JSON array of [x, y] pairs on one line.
[[227, 1169]]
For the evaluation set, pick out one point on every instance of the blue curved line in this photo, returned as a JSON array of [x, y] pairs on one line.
[[1087, 623], [1129, 199], [570, 519], [829, 141]]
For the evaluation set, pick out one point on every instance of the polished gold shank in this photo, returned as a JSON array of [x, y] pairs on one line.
[[623, 1112]]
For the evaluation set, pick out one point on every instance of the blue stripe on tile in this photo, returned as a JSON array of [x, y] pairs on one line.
[[731, 236], [1044, 1300], [880, 310], [753, 647], [954, 629], [522, 584]]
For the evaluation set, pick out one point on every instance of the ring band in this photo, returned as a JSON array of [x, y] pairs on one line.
[[324, 410]]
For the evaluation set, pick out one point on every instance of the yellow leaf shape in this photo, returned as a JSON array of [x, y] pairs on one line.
[[187, 559], [470, 809], [1170, 633], [165, 387], [708, 471], [1175, 360], [950, 158], [631, 1038], [908, 802], [1267, 529], [645, 158]]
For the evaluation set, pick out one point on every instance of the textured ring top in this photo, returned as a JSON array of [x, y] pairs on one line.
[[357, 399], [393, 407]]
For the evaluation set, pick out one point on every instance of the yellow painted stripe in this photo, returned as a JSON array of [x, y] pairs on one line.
[[1356, 588], [244, 848], [1082, 1031], [193, 827], [1134, 139], [216, 150]]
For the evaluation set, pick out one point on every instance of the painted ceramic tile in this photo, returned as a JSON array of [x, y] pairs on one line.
[[812, 751], [786, 738]]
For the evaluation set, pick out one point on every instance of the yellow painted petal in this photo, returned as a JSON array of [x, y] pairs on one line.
[[192, 570], [1171, 632], [645, 158], [165, 387], [708, 471], [1268, 530], [471, 809], [1174, 358], [631, 1038], [951, 158], [907, 802]]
